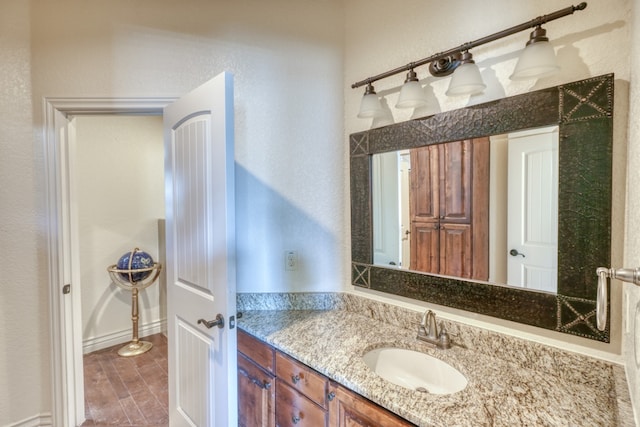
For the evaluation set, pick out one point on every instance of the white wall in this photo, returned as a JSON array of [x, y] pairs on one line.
[[631, 326], [287, 60], [118, 175], [383, 35], [24, 306]]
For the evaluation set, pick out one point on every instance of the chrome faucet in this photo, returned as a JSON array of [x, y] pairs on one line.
[[428, 331]]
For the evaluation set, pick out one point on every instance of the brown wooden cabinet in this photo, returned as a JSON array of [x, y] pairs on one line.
[[277, 390], [348, 409], [256, 383], [449, 204]]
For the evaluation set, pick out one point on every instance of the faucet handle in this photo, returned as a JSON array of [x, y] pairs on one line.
[[443, 337]]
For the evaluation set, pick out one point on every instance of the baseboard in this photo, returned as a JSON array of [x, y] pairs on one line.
[[41, 420], [121, 337]]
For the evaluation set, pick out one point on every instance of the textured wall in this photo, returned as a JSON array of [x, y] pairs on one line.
[[119, 181], [631, 306], [381, 36], [24, 345]]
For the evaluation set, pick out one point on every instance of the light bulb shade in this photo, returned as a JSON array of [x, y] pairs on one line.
[[536, 60], [412, 96], [370, 106], [466, 80], [384, 119]]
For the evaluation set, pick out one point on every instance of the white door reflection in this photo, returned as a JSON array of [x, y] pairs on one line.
[[533, 209]]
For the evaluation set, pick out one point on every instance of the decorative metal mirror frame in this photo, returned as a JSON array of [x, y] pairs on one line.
[[583, 110]]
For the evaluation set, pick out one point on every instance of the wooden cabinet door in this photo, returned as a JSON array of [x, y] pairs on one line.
[[455, 181], [425, 247], [424, 202], [348, 409], [256, 395], [456, 250]]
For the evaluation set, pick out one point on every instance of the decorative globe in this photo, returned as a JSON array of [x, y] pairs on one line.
[[139, 260]]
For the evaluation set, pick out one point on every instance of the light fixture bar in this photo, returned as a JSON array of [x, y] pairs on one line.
[[452, 54]]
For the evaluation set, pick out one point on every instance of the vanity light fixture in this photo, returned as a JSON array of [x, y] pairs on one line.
[[411, 94], [537, 60], [466, 79], [370, 104]]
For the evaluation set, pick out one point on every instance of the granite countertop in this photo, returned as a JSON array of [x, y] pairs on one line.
[[537, 389]]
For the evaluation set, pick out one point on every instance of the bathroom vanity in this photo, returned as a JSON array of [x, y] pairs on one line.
[[275, 389], [304, 366]]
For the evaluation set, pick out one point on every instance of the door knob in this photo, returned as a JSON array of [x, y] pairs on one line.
[[219, 322], [514, 252]]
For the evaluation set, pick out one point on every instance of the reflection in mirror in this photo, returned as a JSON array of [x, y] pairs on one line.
[[484, 209]]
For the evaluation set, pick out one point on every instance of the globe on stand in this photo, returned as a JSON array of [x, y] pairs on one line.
[[134, 271]]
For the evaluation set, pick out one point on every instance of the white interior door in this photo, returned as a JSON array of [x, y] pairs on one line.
[[533, 209], [386, 221], [199, 170]]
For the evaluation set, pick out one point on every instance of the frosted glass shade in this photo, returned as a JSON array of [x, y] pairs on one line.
[[370, 106], [412, 96], [384, 119], [536, 60], [466, 80]]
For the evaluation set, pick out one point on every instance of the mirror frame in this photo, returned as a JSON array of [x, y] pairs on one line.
[[583, 110]]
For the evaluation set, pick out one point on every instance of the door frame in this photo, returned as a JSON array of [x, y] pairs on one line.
[[64, 309]]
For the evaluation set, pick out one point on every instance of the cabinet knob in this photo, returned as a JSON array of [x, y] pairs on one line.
[[295, 378], [295, 419], [331, 396]]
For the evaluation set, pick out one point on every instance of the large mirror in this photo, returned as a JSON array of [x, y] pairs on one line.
[[483, 208], [475, 248]]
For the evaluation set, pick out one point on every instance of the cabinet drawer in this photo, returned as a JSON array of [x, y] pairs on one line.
[[302, 378], [256, 350], [293, 409]]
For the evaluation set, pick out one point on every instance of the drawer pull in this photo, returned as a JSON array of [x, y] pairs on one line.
[[295, 419], [331, 396], [295, 378], [265, 385]]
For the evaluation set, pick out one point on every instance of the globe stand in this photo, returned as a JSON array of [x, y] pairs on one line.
[[124, 278]]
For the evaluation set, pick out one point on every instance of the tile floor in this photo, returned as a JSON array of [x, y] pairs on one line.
[[127, 391]]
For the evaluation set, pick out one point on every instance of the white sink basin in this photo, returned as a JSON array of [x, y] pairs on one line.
[[415, 370]]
